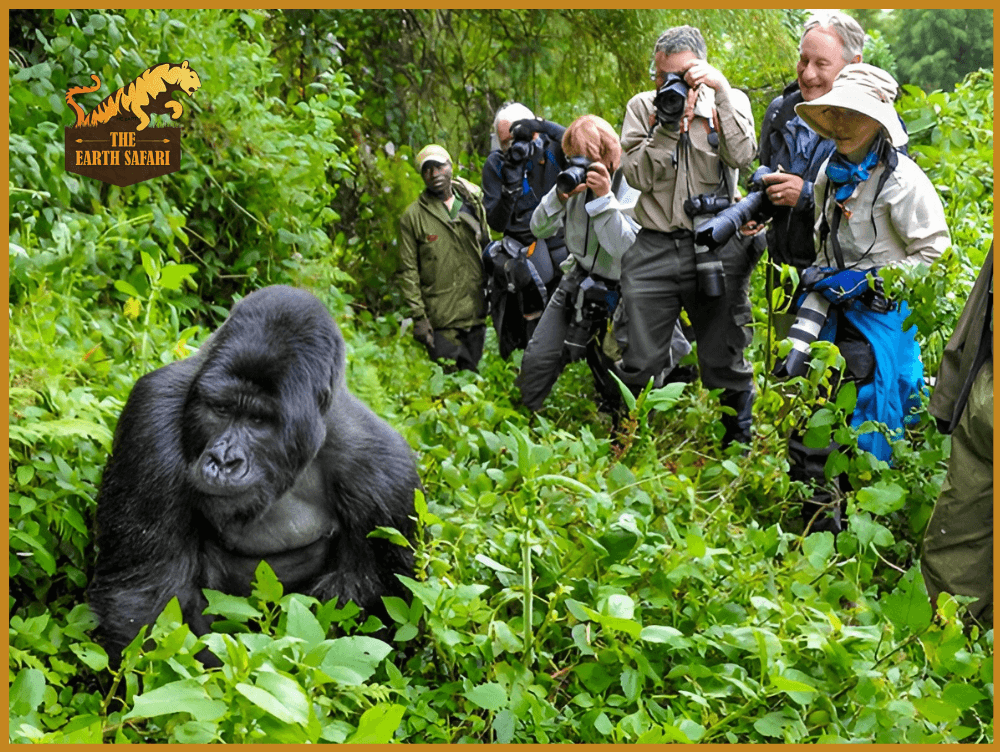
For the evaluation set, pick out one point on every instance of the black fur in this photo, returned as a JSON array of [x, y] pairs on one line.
[[251, 448]]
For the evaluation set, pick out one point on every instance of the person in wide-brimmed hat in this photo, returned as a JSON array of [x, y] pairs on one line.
[[875, 208]]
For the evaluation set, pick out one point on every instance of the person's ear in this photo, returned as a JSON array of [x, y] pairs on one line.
[[857, 58]]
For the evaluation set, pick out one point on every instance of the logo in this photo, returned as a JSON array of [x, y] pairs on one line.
[[431, 238], [113, 142]]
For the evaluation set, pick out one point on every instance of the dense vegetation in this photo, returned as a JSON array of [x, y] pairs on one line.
[[568, 589]]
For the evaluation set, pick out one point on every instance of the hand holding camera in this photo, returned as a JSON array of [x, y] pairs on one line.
[[783, 188], [581, 174]]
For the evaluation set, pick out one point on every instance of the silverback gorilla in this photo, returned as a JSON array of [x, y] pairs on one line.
[[250, 449]]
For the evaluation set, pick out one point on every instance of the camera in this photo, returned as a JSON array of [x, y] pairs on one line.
[[670, 99], [705, 203], [808, 322], [708, 265], [574, 174], [519, 150], [719, 229], [590, 308]]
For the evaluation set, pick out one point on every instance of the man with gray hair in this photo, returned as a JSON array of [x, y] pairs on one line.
[[830, 40], [684, 141], [517, 174]]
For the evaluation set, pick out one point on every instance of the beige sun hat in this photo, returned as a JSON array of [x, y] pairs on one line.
[[862, 88], [432, 153]]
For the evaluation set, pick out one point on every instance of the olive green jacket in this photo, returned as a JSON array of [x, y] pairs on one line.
[[440, 261], [970, 345]]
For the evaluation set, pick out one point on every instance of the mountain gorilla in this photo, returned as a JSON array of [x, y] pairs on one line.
[[250, 449]]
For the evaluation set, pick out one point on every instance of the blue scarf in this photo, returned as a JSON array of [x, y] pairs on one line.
[[846, 175]]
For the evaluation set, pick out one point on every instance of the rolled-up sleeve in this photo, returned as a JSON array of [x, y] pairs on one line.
[[737, 142]]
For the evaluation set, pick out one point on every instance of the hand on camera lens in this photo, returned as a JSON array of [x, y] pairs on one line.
[[845, 285], [522, 130], [783, 188]]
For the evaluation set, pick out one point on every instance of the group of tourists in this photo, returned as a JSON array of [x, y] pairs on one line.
[[605, 238]]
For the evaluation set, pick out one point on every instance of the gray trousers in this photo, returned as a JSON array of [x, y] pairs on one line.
[[545, 357], [658, 277]]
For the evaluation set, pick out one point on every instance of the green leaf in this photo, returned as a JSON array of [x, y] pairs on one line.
[[378, 724], [936, 711], [665, 397], [620, 606], [289, 693], [773, 724], [352, 660], [303, 624], [91, 654], [503, 726], [665, 635], [882, 498], [603, 724], [908, 606], [489, 696], [391, 534], [494, 565], [266, 702], [397, 608], [695, 545], [27, 691], [230, 606], [185, 696], [847, 397], [173, 275], [962, 696]]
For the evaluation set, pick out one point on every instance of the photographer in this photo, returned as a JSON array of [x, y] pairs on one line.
[[875, 208], [683, 141], [830, 40], [515, 177], [593, 202]]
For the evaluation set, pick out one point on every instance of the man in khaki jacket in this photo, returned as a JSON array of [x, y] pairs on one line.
[[671, 155], [442, 236]]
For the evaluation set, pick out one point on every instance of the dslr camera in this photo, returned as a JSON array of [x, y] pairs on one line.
[[670, 100], [575, 174], [708, 265], [522, 134], [590, 309], [719, 229]]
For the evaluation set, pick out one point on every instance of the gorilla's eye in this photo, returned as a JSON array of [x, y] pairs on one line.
[[220, 409]]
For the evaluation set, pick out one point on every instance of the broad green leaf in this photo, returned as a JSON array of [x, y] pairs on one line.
[[302, 623], [908, 606], [230, 606], [936, 711], [666, 635], [352, 660], [494, 565], [881, 498], [266, 702], [172, 276], [185, 696], [91, 654], [27, 691], [288, 692], [503, 726], [489, 696]]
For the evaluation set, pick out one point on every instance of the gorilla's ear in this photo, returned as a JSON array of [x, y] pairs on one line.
[[324, 400]]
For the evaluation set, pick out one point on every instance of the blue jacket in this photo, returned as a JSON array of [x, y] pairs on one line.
[[787, 141]]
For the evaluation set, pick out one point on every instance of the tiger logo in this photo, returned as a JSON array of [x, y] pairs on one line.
[[151, 92]]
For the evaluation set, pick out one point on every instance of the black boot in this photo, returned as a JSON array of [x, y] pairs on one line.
[[737, 426]]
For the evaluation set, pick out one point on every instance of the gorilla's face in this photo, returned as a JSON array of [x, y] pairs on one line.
[[254, 418]]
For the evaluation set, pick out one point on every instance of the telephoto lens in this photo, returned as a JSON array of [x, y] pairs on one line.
[[808, 322]]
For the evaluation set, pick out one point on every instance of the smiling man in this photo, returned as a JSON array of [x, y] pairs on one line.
[[830, 40], [442, 235]]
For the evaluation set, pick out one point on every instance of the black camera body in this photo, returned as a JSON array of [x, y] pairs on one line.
[[575, 174], [519, 150], [589, 309], [670, 99], [717, 231], [705, 203]]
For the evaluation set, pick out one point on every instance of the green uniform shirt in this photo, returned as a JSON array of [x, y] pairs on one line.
[[441, 267]]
